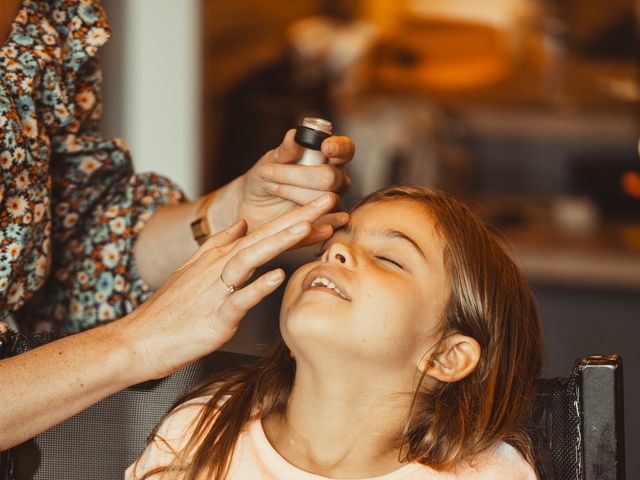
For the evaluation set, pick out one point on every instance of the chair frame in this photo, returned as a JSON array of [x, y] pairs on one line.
[[594, 435]]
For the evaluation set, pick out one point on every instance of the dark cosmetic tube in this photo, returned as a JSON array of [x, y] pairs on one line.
[[310, 134]]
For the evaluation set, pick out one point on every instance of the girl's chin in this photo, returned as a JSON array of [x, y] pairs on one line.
[[320, 306], [303, 325]]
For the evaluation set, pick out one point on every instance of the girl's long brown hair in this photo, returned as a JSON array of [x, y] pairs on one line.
[[490, 301]]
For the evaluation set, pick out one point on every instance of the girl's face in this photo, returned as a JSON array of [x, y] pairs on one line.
[[376, 294]]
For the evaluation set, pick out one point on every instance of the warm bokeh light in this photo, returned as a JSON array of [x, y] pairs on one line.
[[630, 182]]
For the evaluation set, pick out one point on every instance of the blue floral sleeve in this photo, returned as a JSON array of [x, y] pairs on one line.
[[72, 207]]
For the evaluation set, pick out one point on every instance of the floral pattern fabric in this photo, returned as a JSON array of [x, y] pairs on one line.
[[70, 206]]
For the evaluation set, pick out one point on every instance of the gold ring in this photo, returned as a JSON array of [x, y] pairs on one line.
[[230, 287]]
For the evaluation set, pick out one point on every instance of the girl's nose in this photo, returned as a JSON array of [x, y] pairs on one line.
[[339, 253]]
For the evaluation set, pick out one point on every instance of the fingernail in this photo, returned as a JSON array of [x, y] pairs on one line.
[[332, 149], [323, 201], [239, 224], [274, 277], [298, 228]]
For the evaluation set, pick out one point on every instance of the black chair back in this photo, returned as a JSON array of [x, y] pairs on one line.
[[103, 440], [579, 422]]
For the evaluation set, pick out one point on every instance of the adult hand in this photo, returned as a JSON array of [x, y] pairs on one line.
[[193, 313], [276, 184]]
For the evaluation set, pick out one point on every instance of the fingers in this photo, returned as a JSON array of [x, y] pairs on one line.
[[245, 261], [324, 228], [346, 183], [310, 212], [226, 236], [335, 219], [236, 306], [298, 195], [317, 234], [222, 239], [313, 177], [338, 149]]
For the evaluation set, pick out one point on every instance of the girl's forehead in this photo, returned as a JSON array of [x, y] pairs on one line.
[[406, 213], [396, 219]]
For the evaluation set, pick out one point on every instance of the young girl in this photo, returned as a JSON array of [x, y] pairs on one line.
[[410, 350]]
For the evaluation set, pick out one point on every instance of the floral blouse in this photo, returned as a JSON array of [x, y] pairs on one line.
[[70, 206]]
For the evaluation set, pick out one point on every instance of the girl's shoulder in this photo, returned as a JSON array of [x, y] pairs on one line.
[[506, 462], [171, 436], [177, 426], [502, 461]]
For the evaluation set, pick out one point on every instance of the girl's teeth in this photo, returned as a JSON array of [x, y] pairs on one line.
[[326, 283]]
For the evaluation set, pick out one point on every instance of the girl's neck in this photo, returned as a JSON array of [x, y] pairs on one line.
[[340, 425]]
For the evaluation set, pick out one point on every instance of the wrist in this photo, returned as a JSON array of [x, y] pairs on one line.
[[120, 365], [200, 227], [224, 211], [132, 350]]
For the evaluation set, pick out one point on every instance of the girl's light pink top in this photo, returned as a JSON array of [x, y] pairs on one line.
[[254, 458]]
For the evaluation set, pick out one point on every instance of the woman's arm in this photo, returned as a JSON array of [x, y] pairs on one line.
[[192, 315], [273, 186], [46, 385]]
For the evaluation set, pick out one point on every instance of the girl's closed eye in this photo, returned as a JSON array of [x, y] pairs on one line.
[[389, 261]]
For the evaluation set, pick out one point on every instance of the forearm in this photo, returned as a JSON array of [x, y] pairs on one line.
[[47, 385], [166, 240]]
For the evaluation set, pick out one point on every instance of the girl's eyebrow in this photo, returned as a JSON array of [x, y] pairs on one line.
[[390, 233], [349, 229]]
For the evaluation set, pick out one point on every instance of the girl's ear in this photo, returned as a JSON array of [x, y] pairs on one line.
[[456, 357]]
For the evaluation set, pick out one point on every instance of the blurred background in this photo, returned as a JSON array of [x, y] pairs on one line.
[[527, 109]]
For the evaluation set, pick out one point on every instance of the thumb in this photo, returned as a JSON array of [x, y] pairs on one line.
[[287, 152]]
